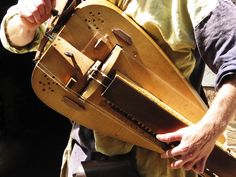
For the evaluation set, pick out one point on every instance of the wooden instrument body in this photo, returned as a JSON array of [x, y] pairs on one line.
[[67, 84]]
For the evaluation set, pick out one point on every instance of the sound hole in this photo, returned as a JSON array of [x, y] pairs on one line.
[[94, 20], [47, 84]]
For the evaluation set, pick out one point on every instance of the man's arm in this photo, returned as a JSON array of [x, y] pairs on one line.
[[216, 40], [21, 28]]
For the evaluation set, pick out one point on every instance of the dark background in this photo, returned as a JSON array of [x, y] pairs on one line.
[[32, 136]]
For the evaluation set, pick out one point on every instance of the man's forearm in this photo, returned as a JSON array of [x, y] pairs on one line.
[[223, 108], [18, 33]]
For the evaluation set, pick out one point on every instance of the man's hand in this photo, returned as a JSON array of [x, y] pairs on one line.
[[196, 144], [21, 28], [197, 141], [34, 12]]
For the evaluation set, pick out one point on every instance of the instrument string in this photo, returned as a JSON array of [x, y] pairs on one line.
[[98, 81]]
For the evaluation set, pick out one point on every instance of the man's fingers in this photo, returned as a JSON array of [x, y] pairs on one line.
[[35, 11], [29, 19], [53, 2], [200, 166], [42, 10], [169, 137], [186, 161], [44, 6], [191, 164], [176, 151], [177, 164], [30, 13], [48, 6], [37, 17], [27, 16]]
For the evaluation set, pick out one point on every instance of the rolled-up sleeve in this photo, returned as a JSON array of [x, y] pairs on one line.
[[216, 39], [5, 42]]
